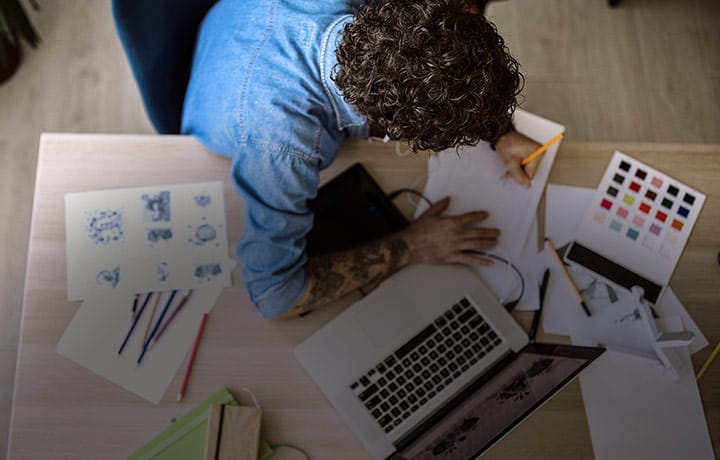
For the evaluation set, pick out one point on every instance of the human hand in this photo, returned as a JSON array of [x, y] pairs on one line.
[[512, 148], [434, 238]]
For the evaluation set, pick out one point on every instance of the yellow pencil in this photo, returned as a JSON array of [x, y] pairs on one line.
[[541, 150], [708, 361]]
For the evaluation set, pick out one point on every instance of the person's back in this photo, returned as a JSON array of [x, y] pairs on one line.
[[278, 85]]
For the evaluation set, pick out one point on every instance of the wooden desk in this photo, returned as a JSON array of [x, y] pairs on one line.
[[62, 411]]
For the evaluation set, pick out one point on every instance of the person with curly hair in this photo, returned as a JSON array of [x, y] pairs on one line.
[[279, 85]]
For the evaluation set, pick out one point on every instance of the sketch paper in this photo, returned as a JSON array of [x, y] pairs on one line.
[[565, 208], [636, 411], [101, 323], [471, 176], [146, 239]]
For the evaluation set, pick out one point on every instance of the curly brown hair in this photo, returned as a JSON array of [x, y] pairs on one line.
[[429, 72]]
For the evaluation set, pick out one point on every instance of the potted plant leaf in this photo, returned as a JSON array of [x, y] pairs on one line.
[[14, 26]]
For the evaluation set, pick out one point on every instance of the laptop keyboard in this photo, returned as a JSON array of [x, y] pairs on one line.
[[405, 380]]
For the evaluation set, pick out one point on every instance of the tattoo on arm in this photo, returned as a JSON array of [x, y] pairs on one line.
[[334, 275]]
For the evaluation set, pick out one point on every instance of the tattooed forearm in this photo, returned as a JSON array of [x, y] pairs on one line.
[[334, 275]]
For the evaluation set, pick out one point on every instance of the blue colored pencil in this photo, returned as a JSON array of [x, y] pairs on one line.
[[157, 326], [135, 320]]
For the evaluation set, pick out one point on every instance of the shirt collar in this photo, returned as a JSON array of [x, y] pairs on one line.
[[345, 115]]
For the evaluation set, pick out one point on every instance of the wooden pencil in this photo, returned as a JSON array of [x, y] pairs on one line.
[[191, 359]]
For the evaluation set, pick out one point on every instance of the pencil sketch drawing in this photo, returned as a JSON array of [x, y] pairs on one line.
[[206, 272], [155, 235], [104, 226], [203, 234], [202, 200], [163, 272], [109, 277], [157, 207]]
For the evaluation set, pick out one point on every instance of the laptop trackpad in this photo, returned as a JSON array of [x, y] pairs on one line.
[[385, 323]]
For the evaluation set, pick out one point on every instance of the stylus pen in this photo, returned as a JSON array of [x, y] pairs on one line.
[[576, 291], [538, 312]]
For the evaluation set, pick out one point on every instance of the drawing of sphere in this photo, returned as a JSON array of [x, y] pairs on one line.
[[205, 233]]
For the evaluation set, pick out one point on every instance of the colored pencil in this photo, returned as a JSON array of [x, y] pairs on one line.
[[567, 275], [540, 150], [538, 312], [708, 361], [152, 315], [135, 321], [191, 359], [172, 315], [157, 325]]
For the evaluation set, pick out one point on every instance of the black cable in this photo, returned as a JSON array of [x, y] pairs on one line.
[[509, 306], [397, 193]]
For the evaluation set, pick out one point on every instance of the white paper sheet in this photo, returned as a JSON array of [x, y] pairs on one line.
[[505, 283], [636, 411], [146, 239], [472, 178], [97, 330], [565, 208]]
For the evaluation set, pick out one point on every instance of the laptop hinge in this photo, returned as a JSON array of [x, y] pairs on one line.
[[454, 402]]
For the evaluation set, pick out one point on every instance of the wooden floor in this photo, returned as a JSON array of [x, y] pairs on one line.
[[647, 71]]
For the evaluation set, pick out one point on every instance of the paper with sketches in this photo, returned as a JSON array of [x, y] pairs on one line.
[[100, 325], [635, 410], [565, 207], [146, 239], [472, 178]]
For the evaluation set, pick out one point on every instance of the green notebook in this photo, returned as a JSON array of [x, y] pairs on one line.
[[184, 439]]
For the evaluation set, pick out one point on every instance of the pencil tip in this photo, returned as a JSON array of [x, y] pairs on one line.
[[179, 397]]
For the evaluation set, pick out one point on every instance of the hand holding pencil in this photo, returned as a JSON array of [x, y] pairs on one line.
[[522, 155]]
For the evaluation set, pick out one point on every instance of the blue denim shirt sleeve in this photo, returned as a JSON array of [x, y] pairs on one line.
[[276, 186], [261, 93]]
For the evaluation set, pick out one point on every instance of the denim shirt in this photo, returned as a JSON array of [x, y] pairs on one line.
[[260, 92]]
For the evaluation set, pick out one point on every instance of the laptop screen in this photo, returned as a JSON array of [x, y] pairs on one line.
[[494, 404]]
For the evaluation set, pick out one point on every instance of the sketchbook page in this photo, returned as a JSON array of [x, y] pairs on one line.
[[636, 411], [146, 239], [471, 176], [100, 325]]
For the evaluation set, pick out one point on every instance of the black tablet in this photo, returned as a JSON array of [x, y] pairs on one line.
[[349, 210]]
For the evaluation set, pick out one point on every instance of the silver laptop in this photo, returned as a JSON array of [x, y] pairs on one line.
[[406, 365]]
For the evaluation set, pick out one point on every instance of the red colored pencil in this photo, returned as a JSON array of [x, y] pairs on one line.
[[193, 352]]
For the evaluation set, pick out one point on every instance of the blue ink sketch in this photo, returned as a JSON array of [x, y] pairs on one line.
[[104, 227], [158, 234], [203, 200], [206, 272], [157, 207], [203, 234], [109, 277], [163, 273]]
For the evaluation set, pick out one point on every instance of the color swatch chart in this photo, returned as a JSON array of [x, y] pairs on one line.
[[640, 218]]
